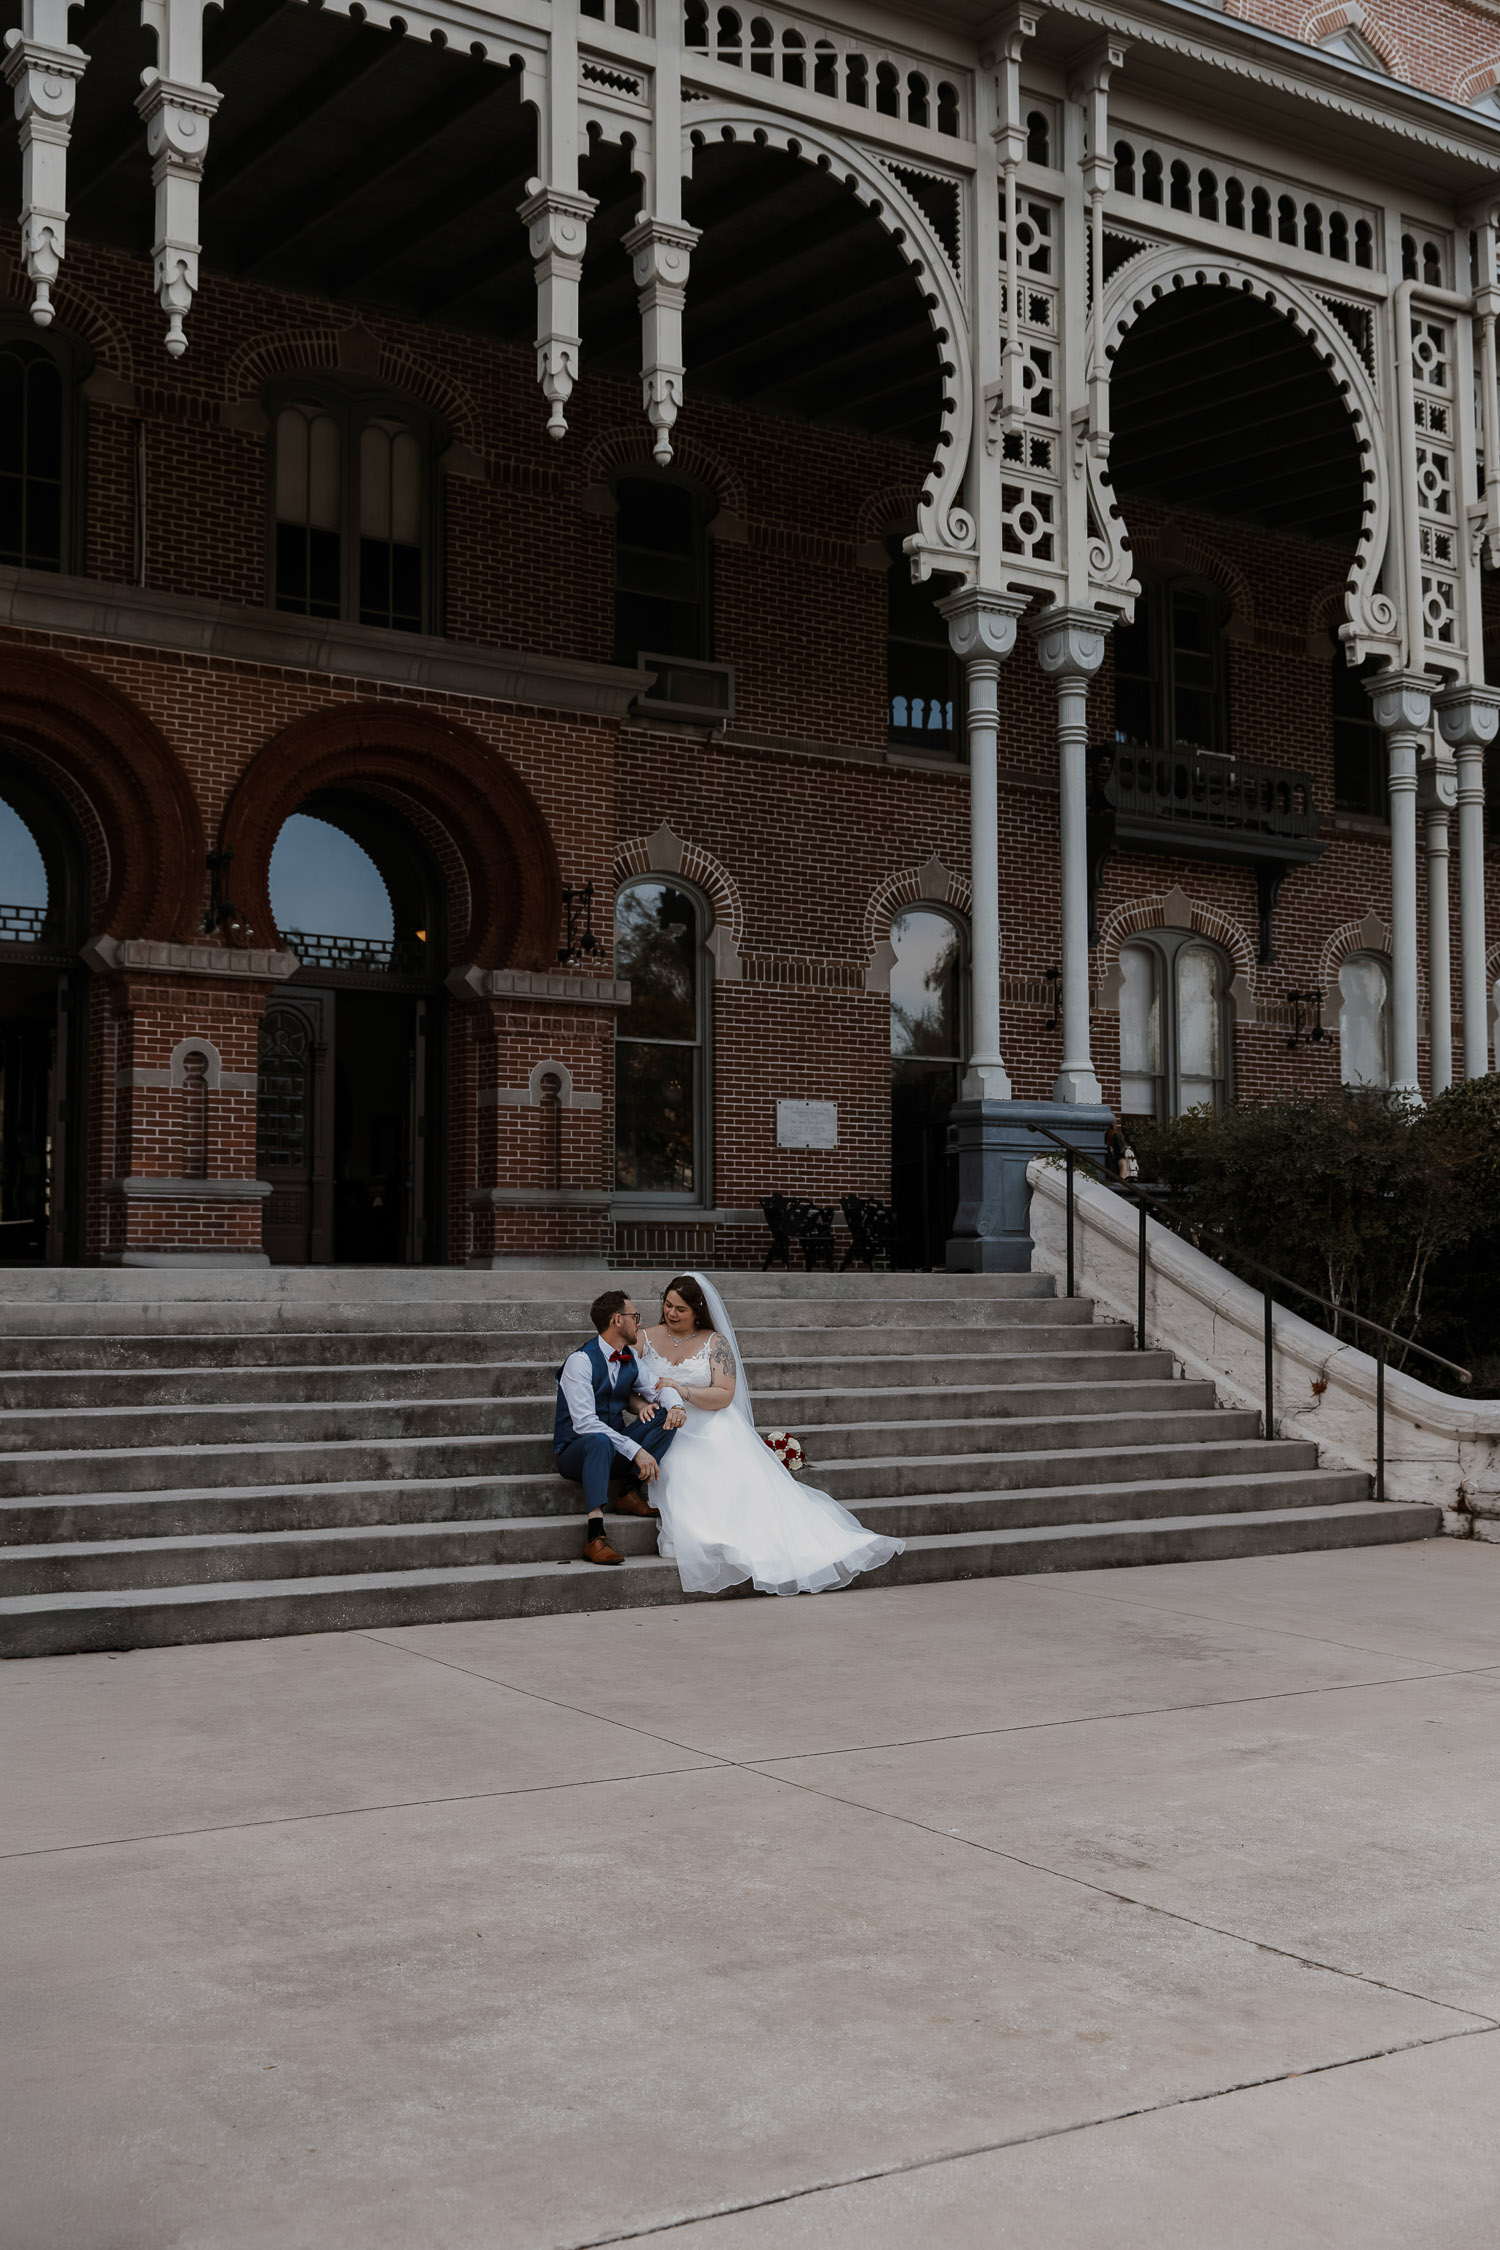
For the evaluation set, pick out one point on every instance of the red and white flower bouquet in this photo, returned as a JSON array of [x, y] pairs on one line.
[[787, 1449]]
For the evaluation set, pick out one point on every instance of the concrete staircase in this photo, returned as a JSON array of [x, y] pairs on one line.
[[184, 1458]]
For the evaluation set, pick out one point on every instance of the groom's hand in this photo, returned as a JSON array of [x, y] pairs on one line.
[[645, 1468], [645, 1411]]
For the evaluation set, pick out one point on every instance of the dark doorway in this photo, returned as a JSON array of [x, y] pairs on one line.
[[928, 1043], [43, 909], [29, 1026], [343, 1110]]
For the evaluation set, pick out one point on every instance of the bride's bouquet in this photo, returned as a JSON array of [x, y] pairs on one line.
[[787, 1449]]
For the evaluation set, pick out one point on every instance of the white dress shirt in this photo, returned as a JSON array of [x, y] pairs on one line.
[[577, 1381]]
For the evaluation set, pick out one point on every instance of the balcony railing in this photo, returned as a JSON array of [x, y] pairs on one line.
[[1202, 804], [393, 956], [1205, 789]]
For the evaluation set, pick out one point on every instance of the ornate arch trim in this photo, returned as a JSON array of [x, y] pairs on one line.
[[80, 314], [125, 771], [1371, 934], [666, 853], [629, 446], [350, 349], [1187, 547], [1371, 615], [931, 884], [945, 538], [1322, 22], [506, 910], [1174, 910]]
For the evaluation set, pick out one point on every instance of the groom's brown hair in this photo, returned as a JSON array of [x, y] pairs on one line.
[[603, 1309]]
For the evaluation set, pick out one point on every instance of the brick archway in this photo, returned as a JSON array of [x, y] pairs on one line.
[[486, 829], [123, 785]]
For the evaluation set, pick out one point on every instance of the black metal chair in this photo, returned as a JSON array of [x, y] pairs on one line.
[[816, 1232], [873, 1233], [792, 1218], [781, 1218]]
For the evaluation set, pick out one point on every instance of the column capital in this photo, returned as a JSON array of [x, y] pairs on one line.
[[1402, 701], [1070, 642], [1468, 715], [1437, 786], [982, 621]]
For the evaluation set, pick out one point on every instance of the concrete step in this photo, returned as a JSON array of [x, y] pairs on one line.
[[286, 1423], [80, 1566], [303, 1460], [188, 1511], [52, 1624], [143, 1294], [73, 1390]]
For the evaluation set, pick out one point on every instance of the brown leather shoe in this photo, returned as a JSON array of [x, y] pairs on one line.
[[598, 1549], [632, 1502]]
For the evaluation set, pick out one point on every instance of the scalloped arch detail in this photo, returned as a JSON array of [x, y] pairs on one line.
[[1194, 552], [931, 884], [1370, 934], [1371, 616], [80, 314], [326, 350], [946, 533], [629, 446], [1174, 910], [666, 853]]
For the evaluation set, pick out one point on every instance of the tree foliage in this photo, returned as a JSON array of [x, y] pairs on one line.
[[1386, 1210]]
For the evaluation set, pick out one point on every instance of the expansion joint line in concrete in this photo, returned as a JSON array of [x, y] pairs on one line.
[[935, 2162]]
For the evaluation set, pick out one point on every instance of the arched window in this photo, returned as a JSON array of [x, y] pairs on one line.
[[24, 888], [661, 1043], [924, 694], [1172, 666], [1038, 138], [1365, 1021], [1174, 1025], [354, 531], [662, 605], [329, 897], [38, 450], [929, 1043]]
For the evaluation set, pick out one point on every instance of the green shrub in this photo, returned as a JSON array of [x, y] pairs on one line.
[[1384, 1209]]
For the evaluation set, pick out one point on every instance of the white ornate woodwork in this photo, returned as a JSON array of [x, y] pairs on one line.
[[902, 95], [1402, 703], [1437, 793], [557, 221], [660, 253], [1469, 721], [1426, 376], [177, 106], [42, 68], [982, 633], [1070, 649]]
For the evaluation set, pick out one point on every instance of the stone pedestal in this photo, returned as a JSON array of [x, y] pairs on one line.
[[996, 1142]]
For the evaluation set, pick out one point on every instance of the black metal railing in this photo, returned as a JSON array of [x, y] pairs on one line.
[[22, 924], [1204, 789], [1144, 1196], [317, 949]]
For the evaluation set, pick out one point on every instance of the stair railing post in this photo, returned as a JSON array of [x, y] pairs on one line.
[[1380, 1419], [1140, 1282], [1270, 1366], [1070, 1222]]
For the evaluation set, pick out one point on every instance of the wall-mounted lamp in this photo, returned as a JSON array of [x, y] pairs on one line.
[[1053, 979], [1307, 1033], [222, 918], [578, 909]]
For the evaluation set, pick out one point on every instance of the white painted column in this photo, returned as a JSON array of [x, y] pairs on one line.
[[1402, 703], [982, 630], [1469, 718], [1070, 649], [1436, 796], [42, 67]]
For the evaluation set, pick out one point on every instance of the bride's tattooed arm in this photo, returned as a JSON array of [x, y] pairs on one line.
[[720, 1388]]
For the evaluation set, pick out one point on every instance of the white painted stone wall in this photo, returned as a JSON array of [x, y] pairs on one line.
[[1438, 1448]]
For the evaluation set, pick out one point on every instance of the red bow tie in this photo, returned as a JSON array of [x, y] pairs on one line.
[[618, 1359]]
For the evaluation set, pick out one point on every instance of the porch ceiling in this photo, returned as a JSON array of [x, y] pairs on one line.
[[1219, 405], [384, 172]]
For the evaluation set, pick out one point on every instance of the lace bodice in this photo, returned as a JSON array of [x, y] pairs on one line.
[[694, 1370]]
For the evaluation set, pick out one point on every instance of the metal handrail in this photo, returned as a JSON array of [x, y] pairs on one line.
[[1385, 1335]]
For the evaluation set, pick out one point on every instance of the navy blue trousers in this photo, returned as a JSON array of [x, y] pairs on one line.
[[592, 1461]]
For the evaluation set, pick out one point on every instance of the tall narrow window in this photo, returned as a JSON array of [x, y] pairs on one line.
[[1359, 758], [354, 506], [661, 570], [659, 1043], [309, 511], [1174, 1025], [34, 456], [1171, 667], [1364, 1021], [929, 1040], [924, 701]]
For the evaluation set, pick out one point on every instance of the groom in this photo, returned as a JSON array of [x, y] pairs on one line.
[[595, 1385]]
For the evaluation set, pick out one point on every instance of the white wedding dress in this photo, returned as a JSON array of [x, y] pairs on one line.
[[730, 1511]]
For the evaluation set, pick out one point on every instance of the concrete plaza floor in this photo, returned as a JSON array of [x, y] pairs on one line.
[[1143, 1907]]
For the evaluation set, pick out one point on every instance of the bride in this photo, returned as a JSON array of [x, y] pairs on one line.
[[729, 1510]]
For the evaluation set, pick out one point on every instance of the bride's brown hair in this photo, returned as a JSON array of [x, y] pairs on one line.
[[692, 1296]]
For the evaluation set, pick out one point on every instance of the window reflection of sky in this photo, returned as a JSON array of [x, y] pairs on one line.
[[924, 985]]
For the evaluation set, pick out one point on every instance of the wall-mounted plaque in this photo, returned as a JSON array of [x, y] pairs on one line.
[[807, 1124]]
